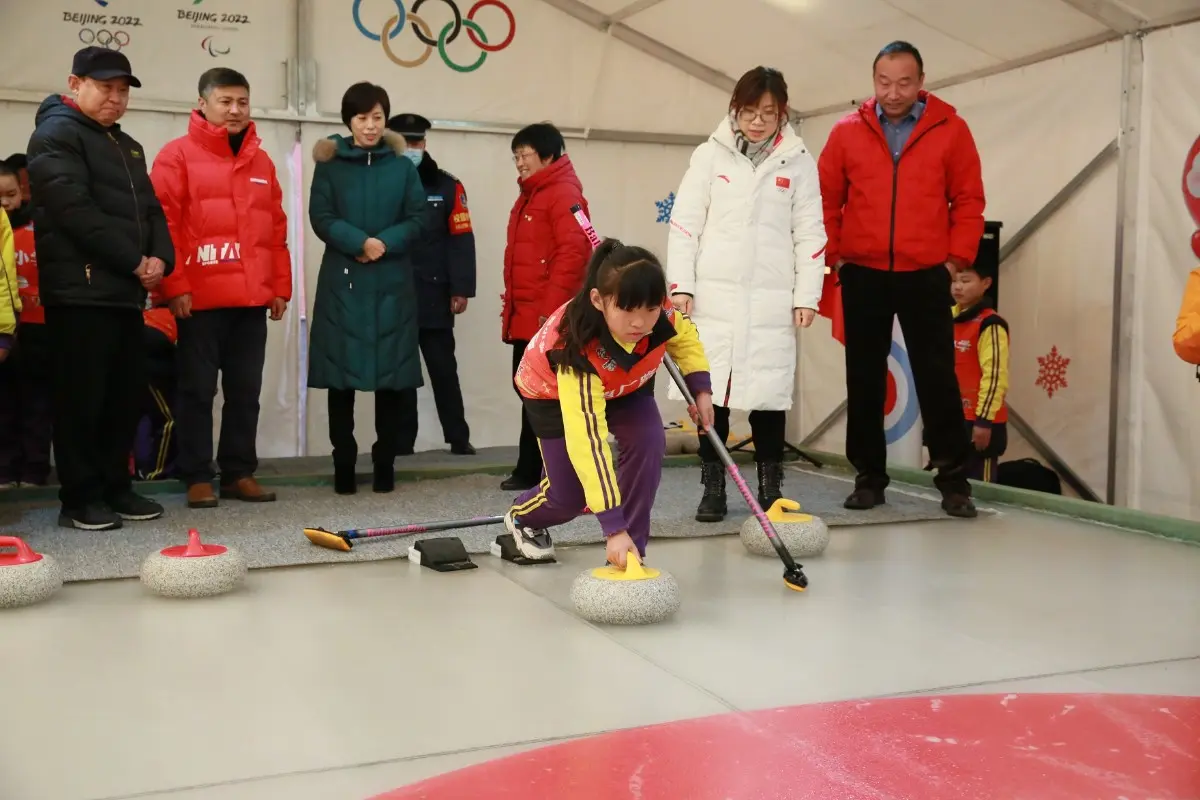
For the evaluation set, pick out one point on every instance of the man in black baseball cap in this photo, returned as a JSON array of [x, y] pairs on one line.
[[445, 266], [102, 242], [102, 64]]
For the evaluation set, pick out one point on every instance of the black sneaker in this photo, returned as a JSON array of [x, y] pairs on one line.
[[92, 517], [533, 543], [462, 449], [132, 506]]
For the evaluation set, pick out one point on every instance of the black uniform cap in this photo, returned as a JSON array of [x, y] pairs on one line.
[[410, 126]]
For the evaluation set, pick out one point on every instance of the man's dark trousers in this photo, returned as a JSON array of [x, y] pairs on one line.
[[871, 300], [437, 348], [232, 342], [99, 375]]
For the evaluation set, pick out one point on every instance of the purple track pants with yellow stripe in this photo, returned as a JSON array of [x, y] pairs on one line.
[[559, 498]]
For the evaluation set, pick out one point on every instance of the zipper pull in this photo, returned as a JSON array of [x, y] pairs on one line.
[[368, 159], [87, 271]]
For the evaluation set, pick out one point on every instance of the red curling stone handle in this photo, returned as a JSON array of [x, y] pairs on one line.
[[24, 554], [194, 548]]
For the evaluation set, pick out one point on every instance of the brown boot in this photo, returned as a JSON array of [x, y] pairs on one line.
[[248, 490], [200, 495]]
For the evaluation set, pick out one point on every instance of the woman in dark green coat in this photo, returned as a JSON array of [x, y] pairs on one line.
[[368, 207]]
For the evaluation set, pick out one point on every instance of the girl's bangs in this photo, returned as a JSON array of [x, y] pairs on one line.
[[641, 285]]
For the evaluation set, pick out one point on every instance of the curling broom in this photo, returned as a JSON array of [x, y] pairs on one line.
[[344, 540]]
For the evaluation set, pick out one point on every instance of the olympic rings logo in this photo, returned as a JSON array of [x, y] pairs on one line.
[[394, 26], [113, 40]]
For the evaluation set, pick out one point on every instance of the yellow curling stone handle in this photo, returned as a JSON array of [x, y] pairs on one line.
[[634, 571], [782, 511]]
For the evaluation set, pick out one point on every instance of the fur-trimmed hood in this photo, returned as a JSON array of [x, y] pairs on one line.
[[343, 146]]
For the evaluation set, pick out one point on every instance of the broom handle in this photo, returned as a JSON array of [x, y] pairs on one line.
[[769, 529], [421, 527], [731, 468]]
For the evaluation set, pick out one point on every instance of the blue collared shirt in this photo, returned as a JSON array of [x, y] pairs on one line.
[[897, 133]]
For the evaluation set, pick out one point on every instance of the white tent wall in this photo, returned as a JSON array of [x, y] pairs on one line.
[[1163, 470]]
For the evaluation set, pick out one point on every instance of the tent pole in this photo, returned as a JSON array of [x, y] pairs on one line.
[[1047, 452], [1043, 215], [821, 427], [640, 41], [1120, 411], [1109, 14]]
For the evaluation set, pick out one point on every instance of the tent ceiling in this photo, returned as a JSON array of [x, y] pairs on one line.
[[825, 47]]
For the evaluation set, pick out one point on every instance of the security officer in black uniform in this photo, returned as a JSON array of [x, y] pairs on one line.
[[445, 270]]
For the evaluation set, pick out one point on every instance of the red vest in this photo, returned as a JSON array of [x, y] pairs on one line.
[[32, 312], [621, 372], [161, 319], [966, 360]]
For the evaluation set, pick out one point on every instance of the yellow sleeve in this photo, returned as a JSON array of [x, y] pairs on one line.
[[10, 296], [581, 397], [993, 363], [687, 351]]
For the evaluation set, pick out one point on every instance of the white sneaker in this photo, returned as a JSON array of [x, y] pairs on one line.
[[533, 543]]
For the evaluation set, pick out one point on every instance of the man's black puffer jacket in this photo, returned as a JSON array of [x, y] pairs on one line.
[[95, 214]]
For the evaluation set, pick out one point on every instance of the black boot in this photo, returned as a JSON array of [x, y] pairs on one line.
[[344, 479], [385, 477], [712, 506], [770, 483]]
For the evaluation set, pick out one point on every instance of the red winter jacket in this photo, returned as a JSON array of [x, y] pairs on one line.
[[923, 210], [545, 261], [225, 213]]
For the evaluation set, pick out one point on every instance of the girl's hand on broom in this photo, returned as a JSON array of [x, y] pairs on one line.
[[619, 545], [702, 412]]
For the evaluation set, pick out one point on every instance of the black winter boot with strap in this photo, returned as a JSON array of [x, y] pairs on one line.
[[712, 506], [770, 483]]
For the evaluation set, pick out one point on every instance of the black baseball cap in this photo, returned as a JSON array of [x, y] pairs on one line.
[[410, 126], [102, 64]]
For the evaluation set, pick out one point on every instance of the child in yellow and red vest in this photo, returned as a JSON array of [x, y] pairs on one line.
[[981, 364], [589, 370], [26, 414]]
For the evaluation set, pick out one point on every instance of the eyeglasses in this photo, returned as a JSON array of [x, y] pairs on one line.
[[748, 115]]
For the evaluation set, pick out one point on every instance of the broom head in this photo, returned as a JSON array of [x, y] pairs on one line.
[[327, 539]]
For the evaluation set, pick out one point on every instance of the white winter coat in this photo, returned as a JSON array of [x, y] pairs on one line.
[[748, 244]]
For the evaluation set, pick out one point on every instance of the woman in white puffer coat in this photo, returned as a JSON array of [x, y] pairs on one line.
[[745, 256]]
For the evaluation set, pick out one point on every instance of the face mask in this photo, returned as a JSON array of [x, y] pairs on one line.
[[414, 155]]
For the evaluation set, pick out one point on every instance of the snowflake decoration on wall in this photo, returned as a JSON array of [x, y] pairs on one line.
[[1052, 372], [665, 207]]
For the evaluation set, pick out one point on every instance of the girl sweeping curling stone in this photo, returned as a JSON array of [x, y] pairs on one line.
[[589, 370]]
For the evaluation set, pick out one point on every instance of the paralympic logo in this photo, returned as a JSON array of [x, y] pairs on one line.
[[394, 26], [113, 40], [207, 45]]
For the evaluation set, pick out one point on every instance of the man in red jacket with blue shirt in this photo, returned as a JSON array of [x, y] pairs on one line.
[[903, 193], [224, 207]]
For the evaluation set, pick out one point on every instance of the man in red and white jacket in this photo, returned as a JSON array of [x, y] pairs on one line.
[[224, 207], [903, 193]]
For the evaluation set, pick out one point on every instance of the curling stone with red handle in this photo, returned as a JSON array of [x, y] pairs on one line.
[[195, 569], [26, 577]]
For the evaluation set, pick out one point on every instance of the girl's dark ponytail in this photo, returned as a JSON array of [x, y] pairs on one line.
[[582, 322]]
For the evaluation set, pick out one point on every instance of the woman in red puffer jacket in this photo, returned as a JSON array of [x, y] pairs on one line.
[[545, 261]]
